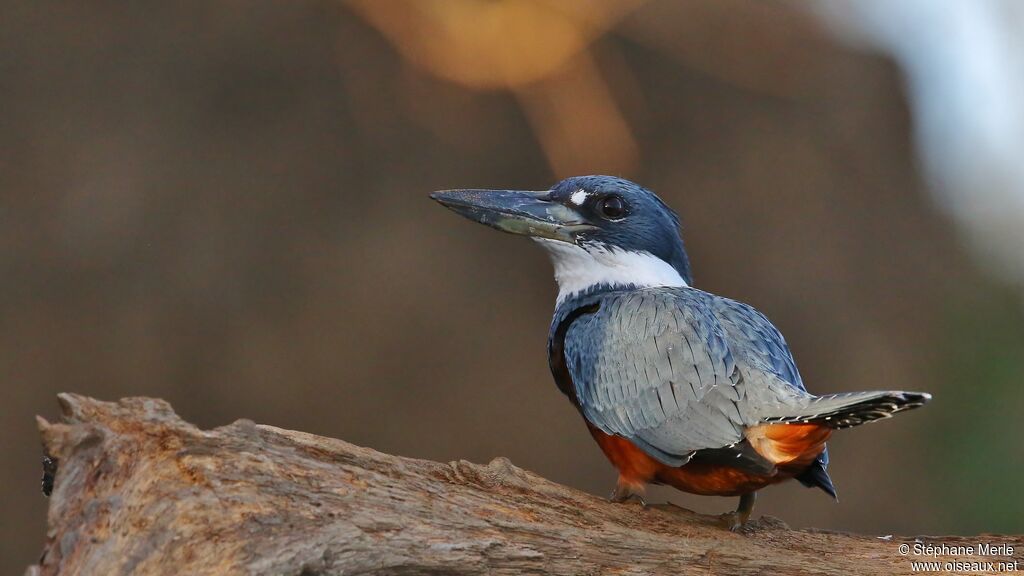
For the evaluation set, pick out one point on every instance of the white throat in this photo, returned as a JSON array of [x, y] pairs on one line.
[[577, 268]]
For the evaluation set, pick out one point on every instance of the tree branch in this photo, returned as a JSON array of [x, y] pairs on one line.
[[139, 491]]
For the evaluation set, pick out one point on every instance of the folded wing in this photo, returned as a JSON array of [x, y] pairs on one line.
[[657, 367]]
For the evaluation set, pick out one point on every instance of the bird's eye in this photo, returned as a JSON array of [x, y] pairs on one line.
[[612, 207]]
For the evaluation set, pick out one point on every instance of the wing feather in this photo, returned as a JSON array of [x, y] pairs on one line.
[[678, 370], [655, 367]]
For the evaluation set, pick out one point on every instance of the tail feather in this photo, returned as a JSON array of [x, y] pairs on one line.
[[853, 408], [816, 476]]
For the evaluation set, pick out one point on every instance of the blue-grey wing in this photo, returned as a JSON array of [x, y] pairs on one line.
[[655, 366], [757, 344]]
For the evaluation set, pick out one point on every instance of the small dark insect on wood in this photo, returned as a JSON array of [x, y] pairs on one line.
[[49, 472]]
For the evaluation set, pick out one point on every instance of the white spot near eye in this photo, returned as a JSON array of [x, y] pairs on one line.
[[578, 197]]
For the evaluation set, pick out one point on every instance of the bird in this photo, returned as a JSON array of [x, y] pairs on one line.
[[677, 386]]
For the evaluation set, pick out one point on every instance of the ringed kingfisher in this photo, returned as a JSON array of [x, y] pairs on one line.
[[678, 386]]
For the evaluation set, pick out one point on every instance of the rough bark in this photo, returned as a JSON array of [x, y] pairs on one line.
[[140, 491]]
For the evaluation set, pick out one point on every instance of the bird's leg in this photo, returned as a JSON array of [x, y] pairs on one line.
[[746, 507], [628, 491], [735, 520]]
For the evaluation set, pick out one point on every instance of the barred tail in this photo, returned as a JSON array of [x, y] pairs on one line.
[[853, 408]]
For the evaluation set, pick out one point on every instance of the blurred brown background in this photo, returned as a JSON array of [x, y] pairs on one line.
[[224, 204]]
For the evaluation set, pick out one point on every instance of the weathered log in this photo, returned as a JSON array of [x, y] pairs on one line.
[[140, 491]]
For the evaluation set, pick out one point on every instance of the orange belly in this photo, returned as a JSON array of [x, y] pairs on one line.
[[791, 447]]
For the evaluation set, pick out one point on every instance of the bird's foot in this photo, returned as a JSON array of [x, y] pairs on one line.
[[735, 521], [732, 521], [628, 492]]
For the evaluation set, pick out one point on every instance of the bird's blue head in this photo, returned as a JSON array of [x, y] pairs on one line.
[[601, 231]]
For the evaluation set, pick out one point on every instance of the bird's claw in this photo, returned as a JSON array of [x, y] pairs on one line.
[[623, 494]]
